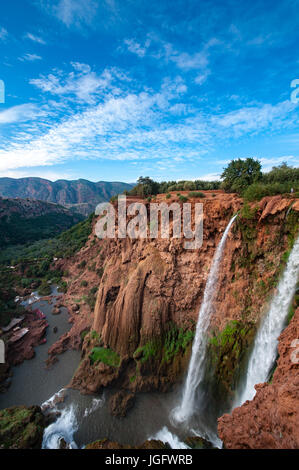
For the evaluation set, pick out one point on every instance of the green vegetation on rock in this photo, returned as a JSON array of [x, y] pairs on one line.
[[21, 427], [165, 348], [107, 356], [227, 348]]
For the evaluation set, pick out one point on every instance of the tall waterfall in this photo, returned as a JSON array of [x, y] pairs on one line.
[[197, 362], [264, 350]]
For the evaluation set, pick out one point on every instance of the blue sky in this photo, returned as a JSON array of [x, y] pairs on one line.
[[114, 89]]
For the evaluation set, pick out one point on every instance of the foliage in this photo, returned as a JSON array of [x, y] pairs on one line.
[[17, 227], [147, 187], [165, 348], [227, 349], [44, 288], [239, 174], [256, 191], [196, 194], [107, 356], [176, 340], [63, 246]]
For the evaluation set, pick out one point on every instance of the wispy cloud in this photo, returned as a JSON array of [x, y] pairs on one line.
[[30, 58], [136, 48], [21, 113], [134, 127], [35, 38], [81, 83], [257, 118], [3, 34], [73, 13]]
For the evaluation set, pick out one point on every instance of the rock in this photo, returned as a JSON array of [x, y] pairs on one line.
[[103, 444], [21, 427], [270, 420], [120, 403], [196, 442], [106, 444], [56, 310], [5, 379], [154, 444], [55, 329]]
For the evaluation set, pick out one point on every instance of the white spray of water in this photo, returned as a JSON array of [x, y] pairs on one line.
[[264, 350], [63, 429], [51, 402], [167, 437], [95, 404], [196, 368]]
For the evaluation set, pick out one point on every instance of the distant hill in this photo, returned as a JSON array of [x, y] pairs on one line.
[[26, 220], [78, 195]]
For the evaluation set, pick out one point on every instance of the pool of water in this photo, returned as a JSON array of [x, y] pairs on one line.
[[86, 418], [32, 383]]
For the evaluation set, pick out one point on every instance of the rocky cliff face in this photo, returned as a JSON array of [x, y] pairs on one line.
[[150, 292], [81, 195], [270, 420]]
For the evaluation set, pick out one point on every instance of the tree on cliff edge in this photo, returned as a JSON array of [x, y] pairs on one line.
[[240, 174]]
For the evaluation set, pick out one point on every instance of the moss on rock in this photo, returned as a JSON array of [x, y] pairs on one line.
[[21, 427], [227, 349]]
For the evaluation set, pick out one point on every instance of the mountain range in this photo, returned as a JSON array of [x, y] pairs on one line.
[[80, 196]]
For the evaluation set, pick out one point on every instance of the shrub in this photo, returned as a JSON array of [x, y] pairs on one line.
[[183, 198], [168, 196], [44, 289], [196, 194], [82, 265], [84, 283]]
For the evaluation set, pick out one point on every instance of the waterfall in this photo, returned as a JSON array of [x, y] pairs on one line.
[[264, 351], [196, 368]]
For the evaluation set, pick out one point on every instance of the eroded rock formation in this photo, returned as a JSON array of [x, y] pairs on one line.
[[149, 291], [270, 420]]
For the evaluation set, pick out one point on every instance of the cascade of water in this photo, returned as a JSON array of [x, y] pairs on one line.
[[264, 351], [196, 368]]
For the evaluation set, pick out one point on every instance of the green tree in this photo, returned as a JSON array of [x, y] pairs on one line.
[[240, 174]]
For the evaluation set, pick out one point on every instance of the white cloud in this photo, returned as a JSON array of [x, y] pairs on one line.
[[136, 48], [202, 77], [268, 163], [111, 120], [256, 118], [83, 84], [73, 13], [35, 38], [30, 58], [46, 174], [21, 113], [3, 34], [209, 177]]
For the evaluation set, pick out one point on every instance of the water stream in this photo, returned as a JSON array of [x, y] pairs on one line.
[[196, 368], [264, 351]]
